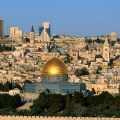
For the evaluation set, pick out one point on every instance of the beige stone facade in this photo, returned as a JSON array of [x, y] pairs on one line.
[[53, 118], [113, 36], [15, 33]]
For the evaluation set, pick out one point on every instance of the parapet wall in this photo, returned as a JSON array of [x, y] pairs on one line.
[[53, 118]]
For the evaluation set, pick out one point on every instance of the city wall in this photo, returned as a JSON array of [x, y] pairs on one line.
[[53, 118]]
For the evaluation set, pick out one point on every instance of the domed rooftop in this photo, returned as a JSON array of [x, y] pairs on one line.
[[55, 50], [55, 66], [62, 51], [99, 56], [59, 50]]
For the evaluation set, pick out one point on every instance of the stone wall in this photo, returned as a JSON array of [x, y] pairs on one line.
[[53, 118]]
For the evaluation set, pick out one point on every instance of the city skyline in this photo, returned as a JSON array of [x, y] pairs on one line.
[[59, 60], [79, 18]]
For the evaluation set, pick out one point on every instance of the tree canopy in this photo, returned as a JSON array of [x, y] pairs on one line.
[[7, 101], [82, 71]]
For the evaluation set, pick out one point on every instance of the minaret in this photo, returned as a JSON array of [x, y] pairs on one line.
[[32, 36], [106, 51]]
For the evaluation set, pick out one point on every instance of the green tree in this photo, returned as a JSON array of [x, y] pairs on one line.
[[7, 101], [16, 100], [86, 48], [17, 86], [98, 70], [0, 48], [78, 97], [112, 43], [89, 41], [1, 87], [119, 89], [118, 39], [56, 103], [80, 72], [7, 86], [97, 40], [68, 101], [40, 103], [3, 47], [104, 97]]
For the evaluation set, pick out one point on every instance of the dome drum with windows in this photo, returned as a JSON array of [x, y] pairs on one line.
[[54, 70]]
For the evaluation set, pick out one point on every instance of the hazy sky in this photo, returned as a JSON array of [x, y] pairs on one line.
[[69, 17]]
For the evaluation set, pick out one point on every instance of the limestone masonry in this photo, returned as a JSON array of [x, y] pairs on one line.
[[53, 118]]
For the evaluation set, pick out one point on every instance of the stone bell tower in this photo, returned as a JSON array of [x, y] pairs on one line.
[[106, 51], [32, 36]]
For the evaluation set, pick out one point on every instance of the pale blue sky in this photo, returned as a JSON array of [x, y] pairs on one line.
[[69, 17]]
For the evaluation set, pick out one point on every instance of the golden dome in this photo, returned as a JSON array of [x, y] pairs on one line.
[[55, 66]]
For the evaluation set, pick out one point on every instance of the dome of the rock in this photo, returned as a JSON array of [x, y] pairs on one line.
[[55, 66], [54, 70]]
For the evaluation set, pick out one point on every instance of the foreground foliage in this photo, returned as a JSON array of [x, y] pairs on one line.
[[103, 105], [9, 102], [77, 105]]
